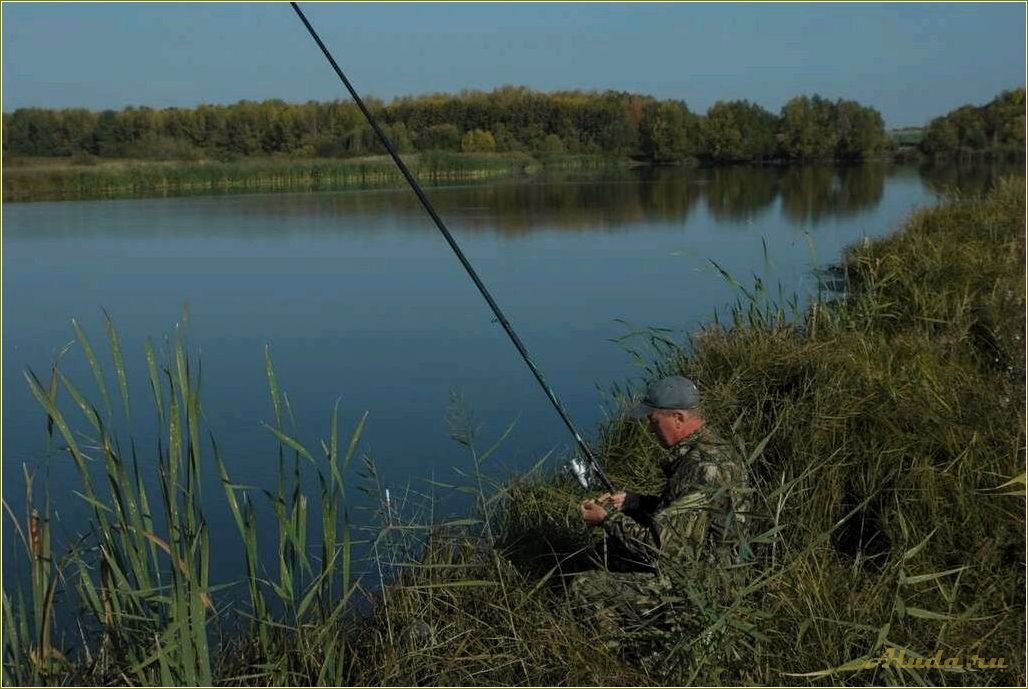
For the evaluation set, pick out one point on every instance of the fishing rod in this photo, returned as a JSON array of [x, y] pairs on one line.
[[580, 471]]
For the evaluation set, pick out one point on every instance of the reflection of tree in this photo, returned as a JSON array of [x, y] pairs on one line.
[[738, 192], [514, 209], [518, 208], [812, 193], [607, 201], [610, 201], [861, 188], [605, 204], [667, 194], [967, 178]]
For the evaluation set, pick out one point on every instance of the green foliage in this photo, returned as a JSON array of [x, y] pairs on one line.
[[439, 137], [399, 137], [739, 131], [806, 131], [670, 132], [552, 145], [814, 128], [610, 123], [995, 130], [518, 119], [478, 141], [861, 131]]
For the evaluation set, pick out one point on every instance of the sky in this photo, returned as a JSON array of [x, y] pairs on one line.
[[910, 61]]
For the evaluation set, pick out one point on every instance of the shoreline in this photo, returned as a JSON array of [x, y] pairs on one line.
[[28, 180], [49, 180]]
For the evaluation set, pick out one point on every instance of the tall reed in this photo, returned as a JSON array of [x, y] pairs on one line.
[[132, 179]]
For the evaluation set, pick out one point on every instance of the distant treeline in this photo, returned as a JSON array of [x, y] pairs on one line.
[[508, 119], [995, 130]]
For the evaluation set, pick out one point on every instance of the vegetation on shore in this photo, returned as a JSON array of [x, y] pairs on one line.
[[995, 130], [506, 120], [884, 429], [275, 146], [42, 179], [992, 132]]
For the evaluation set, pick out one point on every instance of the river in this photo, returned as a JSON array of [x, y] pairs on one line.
[[359, 299]]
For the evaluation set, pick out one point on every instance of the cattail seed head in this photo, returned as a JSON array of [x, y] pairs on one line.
[[35, 536]]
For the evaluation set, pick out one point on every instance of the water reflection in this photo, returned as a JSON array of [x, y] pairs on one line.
[[663, 195], [608, 202], [740, 193], [812, 194], [967, 179]]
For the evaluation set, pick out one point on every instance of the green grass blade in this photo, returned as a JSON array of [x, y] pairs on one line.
[[276, 402], [94, 365], [119, 363], [355, 437], [155, 380], [291, 443]]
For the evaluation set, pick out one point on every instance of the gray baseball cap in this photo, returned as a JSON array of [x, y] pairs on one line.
[[673, 392]]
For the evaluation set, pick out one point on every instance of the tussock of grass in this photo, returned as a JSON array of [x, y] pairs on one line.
[[885, 429]]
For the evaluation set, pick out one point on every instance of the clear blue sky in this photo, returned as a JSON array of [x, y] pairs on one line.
[[911, 61]]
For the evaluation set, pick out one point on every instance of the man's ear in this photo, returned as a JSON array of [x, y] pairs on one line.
[[680, 416]]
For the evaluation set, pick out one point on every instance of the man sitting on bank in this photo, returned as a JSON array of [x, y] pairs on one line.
[[696, 519]]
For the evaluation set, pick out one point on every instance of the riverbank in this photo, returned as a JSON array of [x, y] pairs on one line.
[[91, 178], [86, 177], [884, 430]]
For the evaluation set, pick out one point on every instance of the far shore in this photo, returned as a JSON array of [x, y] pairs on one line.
[[80, 178], [85, 177]]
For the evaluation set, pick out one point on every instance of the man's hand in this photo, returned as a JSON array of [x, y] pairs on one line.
[[592, 512], [616, 500]]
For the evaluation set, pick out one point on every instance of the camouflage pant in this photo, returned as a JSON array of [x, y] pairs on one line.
[[634, 612], [618, 601]]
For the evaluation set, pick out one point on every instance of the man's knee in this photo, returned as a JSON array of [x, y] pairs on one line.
[[614, 590], [590, 587]]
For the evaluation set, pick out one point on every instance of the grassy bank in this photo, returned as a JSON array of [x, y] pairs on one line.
[[885, 434], [84, 177]]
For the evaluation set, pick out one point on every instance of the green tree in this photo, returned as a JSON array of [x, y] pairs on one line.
[[441, 137], [860, 130], [739, 130], [241, 131], [1005, 121], [399, 137], [807, 128], [670, 133], [75, 131], [478, 141], [997, 128], [971, 127], [723, 133], [552, 145], [505, 140], [941, 138]]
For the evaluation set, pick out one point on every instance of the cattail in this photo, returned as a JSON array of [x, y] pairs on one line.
[[35, 536]]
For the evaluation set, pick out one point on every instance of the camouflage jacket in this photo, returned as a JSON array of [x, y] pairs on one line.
[[699, 514]]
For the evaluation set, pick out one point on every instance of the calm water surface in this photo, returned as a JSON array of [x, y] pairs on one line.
[[360, 299]]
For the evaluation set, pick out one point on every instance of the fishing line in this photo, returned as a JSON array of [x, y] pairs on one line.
[[460, 254]]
